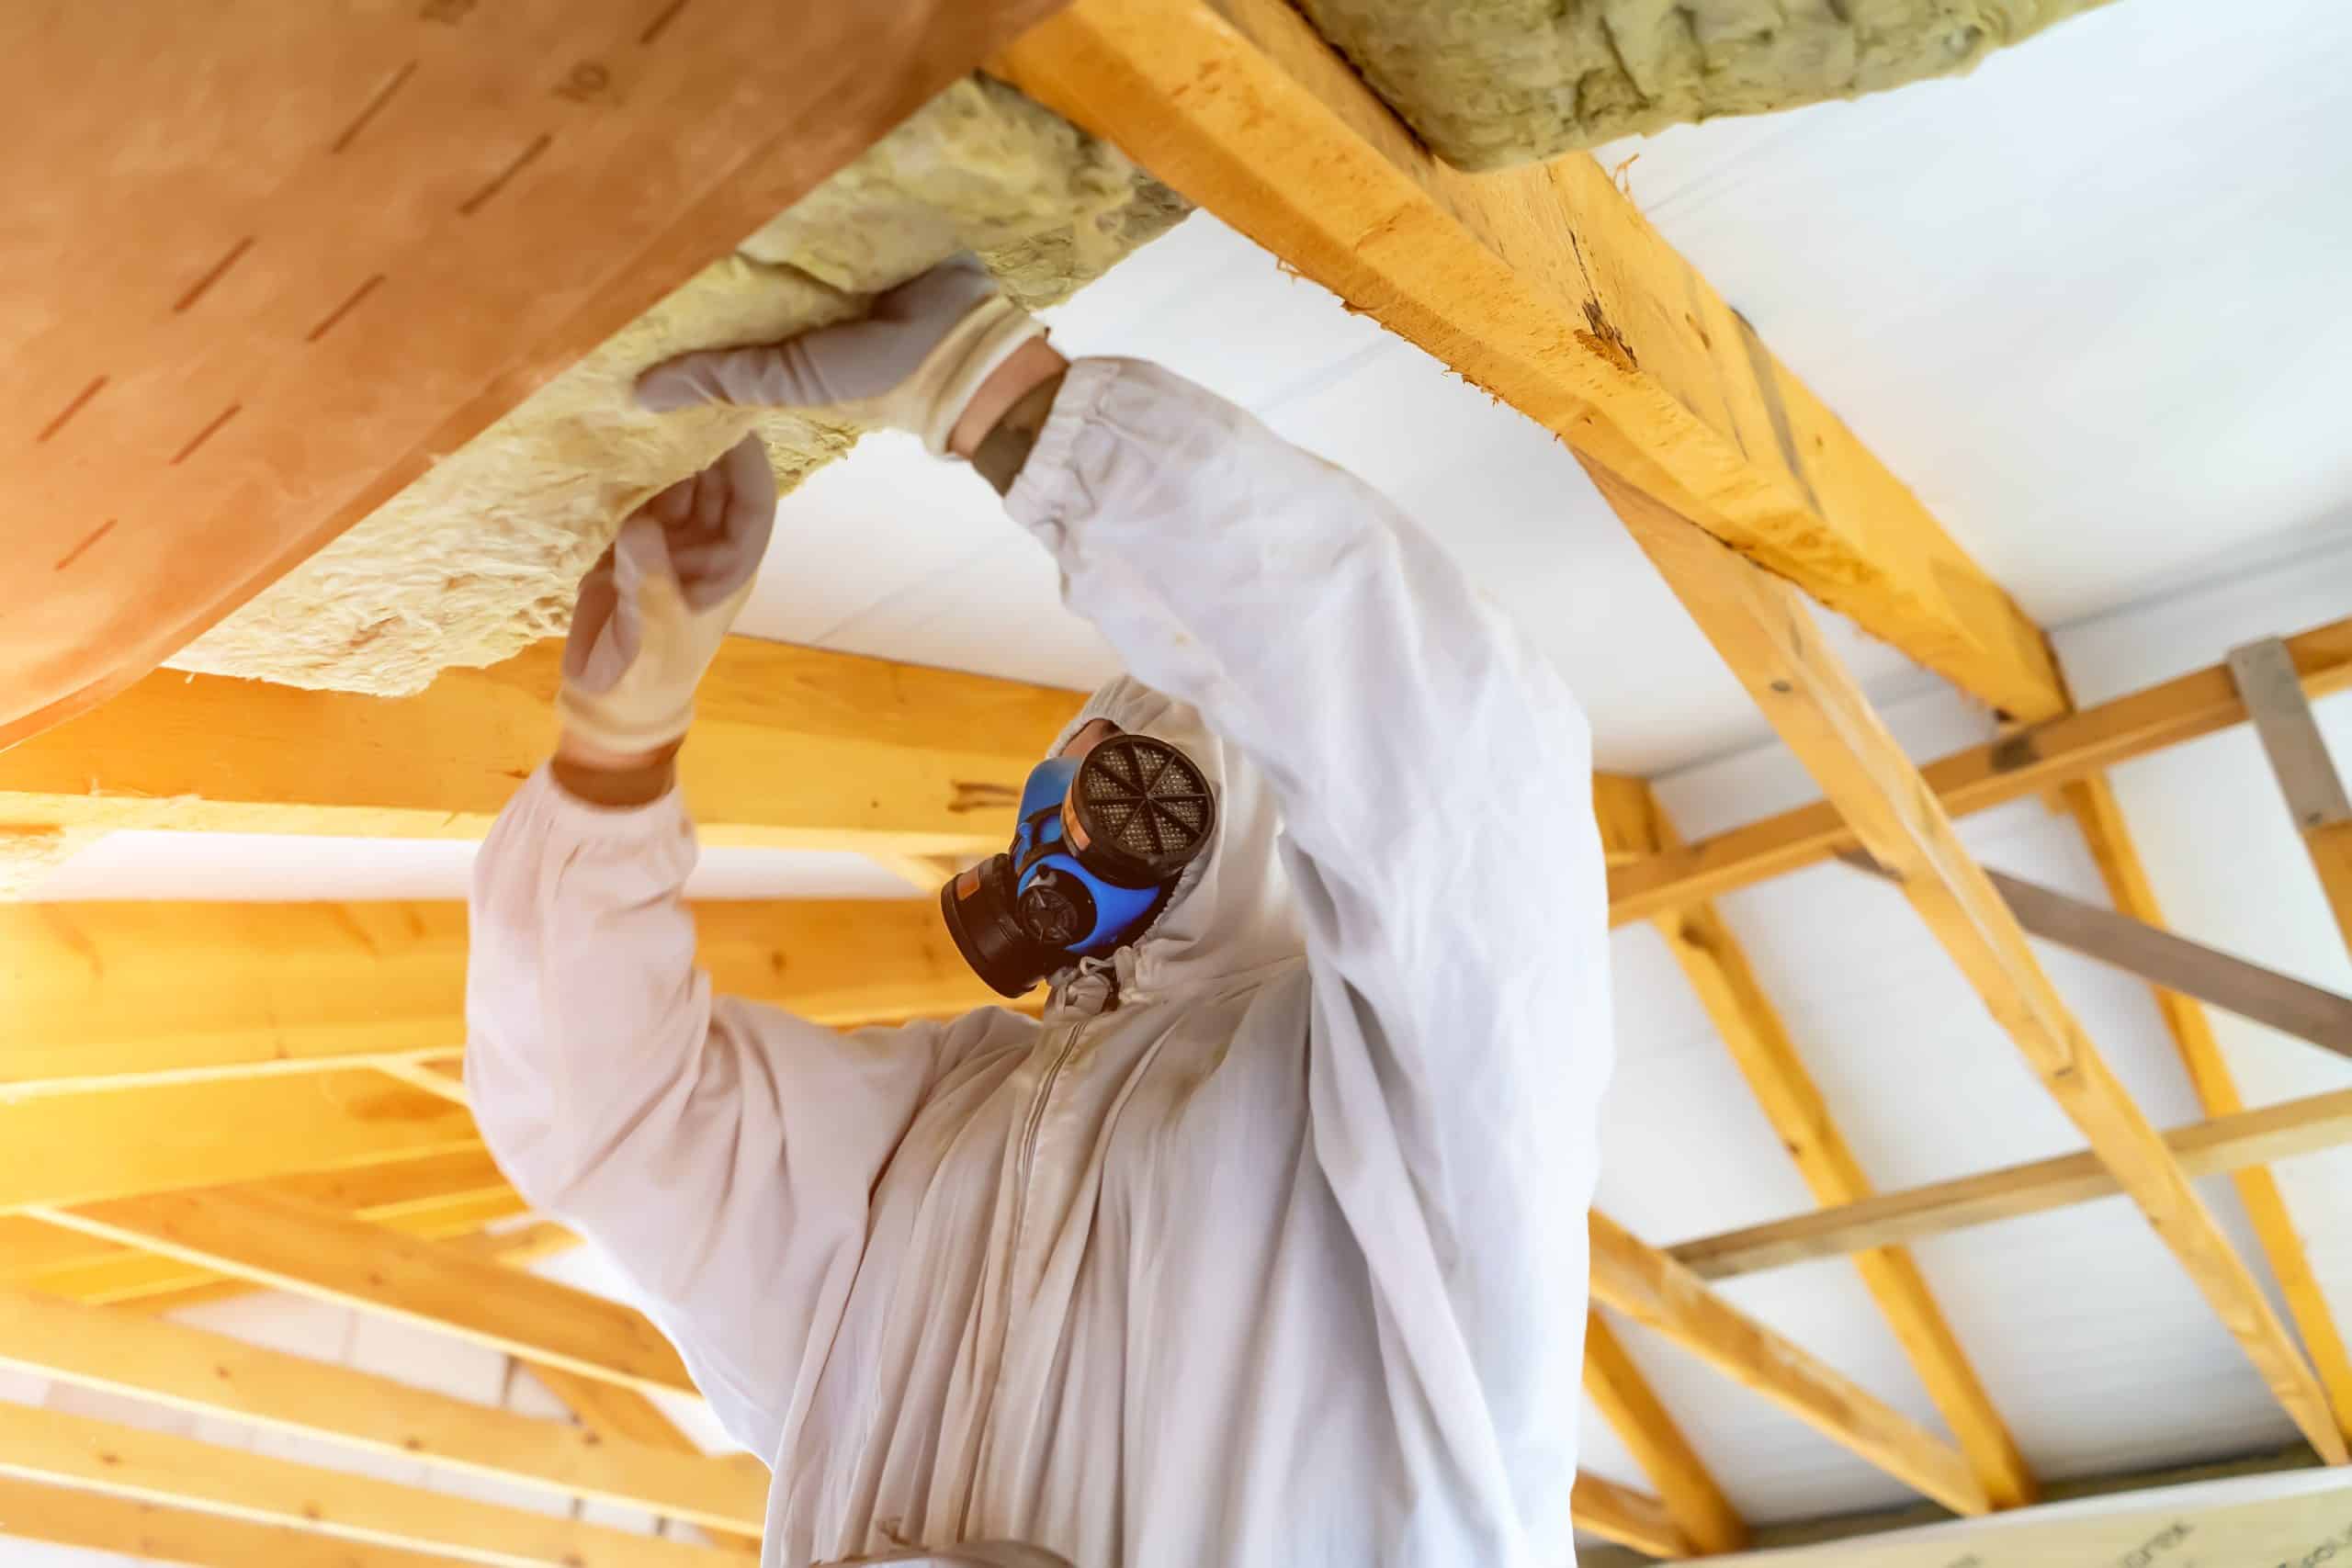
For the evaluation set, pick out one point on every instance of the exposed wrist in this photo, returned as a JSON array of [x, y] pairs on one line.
[[601, 776], [1034, 364]]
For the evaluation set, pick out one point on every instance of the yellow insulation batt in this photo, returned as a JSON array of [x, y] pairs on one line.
[[480, 558], [1489, 82]]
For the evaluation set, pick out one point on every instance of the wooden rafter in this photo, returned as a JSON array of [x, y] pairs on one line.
[[2028, 762], [2100, 816], [793, 746], [1716, 965], [74, 1148], [1692, 1501], [1585, 319], [1618, 1513], [102, 1522], [116, 995], [297, 1247], [1632, 1277], [211, 1374], [157, 1467]]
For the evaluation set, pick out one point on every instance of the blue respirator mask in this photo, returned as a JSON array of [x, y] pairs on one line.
[[1099, 845]]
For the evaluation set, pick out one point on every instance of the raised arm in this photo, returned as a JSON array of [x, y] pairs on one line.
[[720, 1151]]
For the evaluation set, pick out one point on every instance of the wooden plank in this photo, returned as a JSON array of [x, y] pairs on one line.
[[2224, 1144], [2266, 676], [1626, 1517], [71, 1148], [516, 1247], [1627, 816], [1693, 1503], [107, 995], [1631, 1276], [1716, 965], [118, 1275], [2029, 761], [624, 1415], [2108, 836], [66, 1516], [370, 230], [130, 1461], [294, 1247], [211, 1374], [1546, 288], [2150, 953], [794, 747], [1765, 633], [381, 1192]]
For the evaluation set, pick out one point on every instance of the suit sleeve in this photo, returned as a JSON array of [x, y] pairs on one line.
[[720, 1151]]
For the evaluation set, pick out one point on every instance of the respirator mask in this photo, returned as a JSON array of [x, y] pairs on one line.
[[1099, 845]]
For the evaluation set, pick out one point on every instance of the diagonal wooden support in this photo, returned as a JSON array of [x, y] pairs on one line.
[[1692, 1499], [2171, 963], [2100, 816], [1766, 635], [1717, 967], [2266, 676], [1632, 1277], [1626, 1517]]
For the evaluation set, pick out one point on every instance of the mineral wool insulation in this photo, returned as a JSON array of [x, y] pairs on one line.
[[1487, 82], [480, 557]]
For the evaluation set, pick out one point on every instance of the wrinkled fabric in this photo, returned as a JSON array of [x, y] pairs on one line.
[[1267, 1245]]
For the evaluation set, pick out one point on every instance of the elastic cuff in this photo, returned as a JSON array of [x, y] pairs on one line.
[[664, 815], [1048, 486]]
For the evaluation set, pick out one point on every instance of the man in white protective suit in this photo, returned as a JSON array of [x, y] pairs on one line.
[[1267, 1245]]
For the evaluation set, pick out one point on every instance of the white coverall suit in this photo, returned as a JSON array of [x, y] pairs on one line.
[[1268, 1246]]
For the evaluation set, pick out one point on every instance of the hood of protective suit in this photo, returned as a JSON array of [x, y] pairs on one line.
[[1232, 914]]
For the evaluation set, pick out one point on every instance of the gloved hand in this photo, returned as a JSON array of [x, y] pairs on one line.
[[913, 364], [652, 613]]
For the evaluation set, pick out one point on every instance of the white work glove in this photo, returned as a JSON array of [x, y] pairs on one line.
[[913, 364], [652, 613]]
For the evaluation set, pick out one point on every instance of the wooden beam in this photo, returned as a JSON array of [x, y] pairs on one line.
[[2029, 761], [115, 1275], [1631, 1276], [2108, 836], [212, 1374], [1544, 287], [113, 995], [1716, 965], [371, 233], [518, 1248], [2150, 953], [1765, 634], [130, 1461], [2266, 676], [1626, 1517], [67, 1516], [1692, 1501], [794, 747], [294, 1247], [624, 1415], [452, 1185], [2206, 1148], [72, 1148]]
